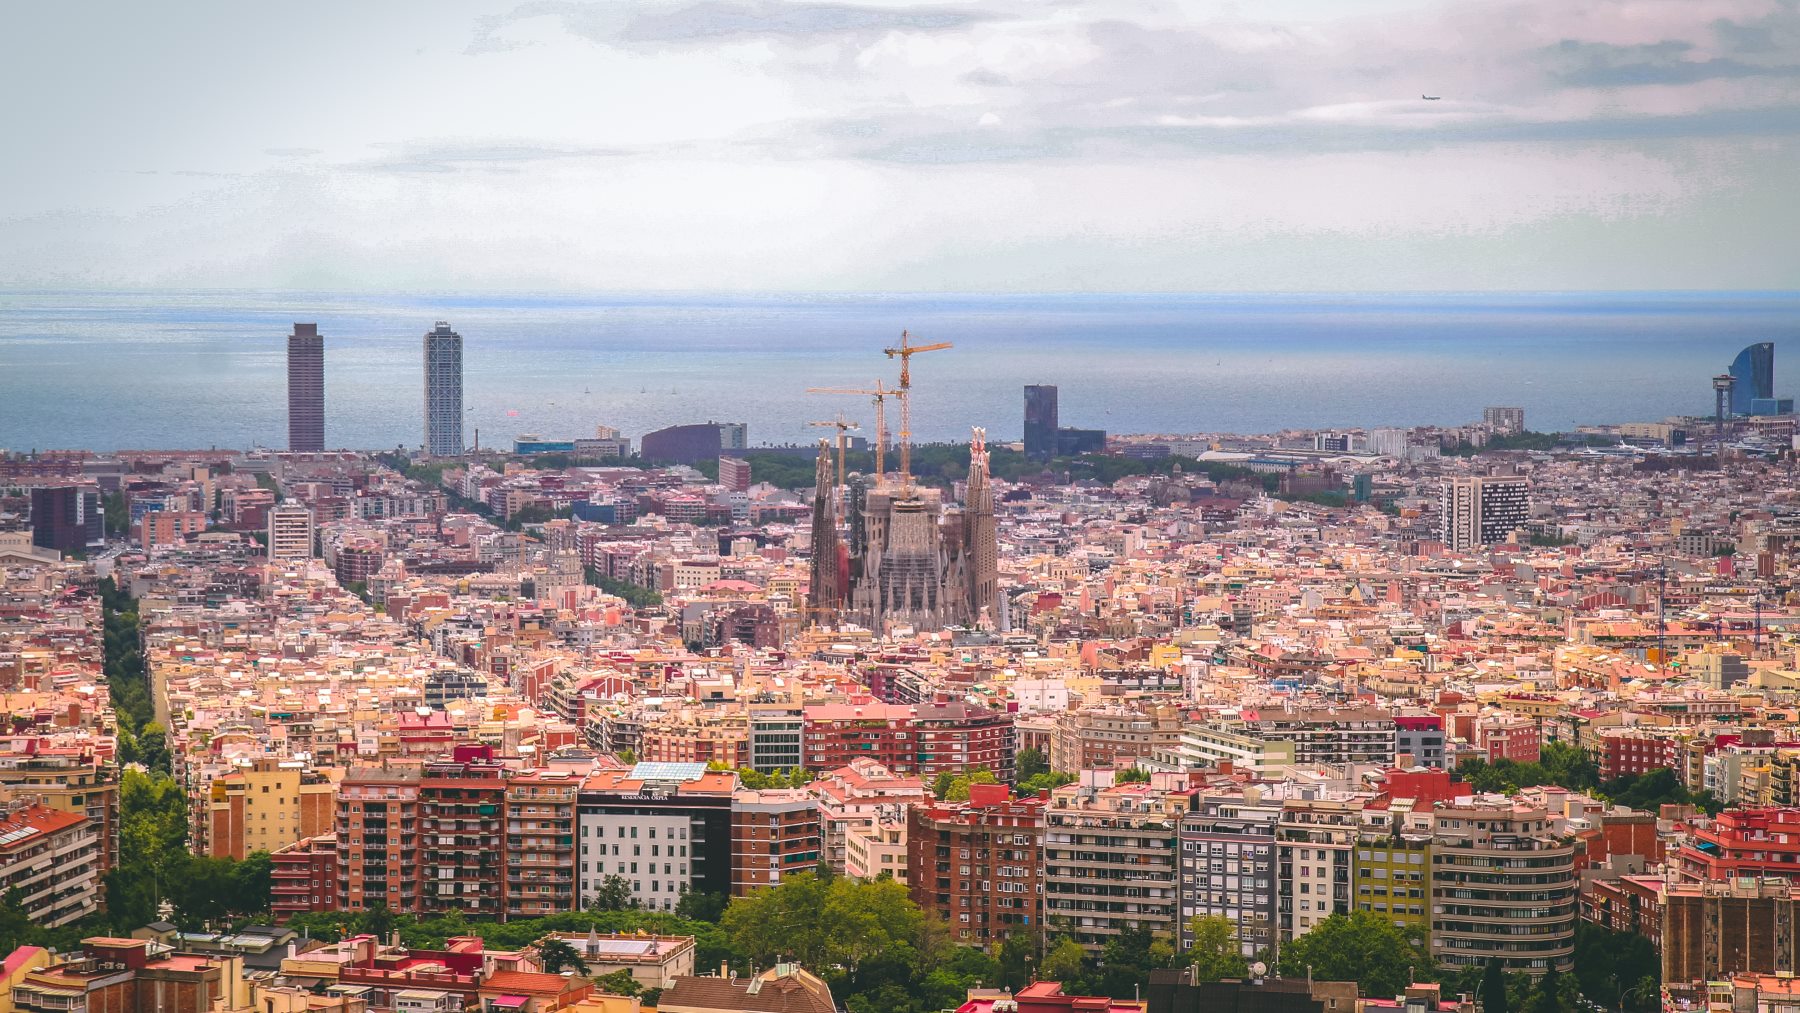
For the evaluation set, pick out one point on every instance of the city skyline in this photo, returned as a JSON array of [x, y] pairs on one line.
[[990, 146]]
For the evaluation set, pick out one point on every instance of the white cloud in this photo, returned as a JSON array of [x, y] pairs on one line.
[[711, 144]]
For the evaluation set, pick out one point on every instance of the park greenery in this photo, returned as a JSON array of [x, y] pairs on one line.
[[635, 596], [1574, 768]]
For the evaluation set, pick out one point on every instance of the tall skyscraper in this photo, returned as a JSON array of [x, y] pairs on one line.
[[67, 518], [443, 392], [1040, 421], [1482, 510], [1754, 374], [306, 390], [1505, 421]]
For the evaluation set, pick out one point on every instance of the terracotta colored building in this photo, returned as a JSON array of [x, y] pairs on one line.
[[540, 843], [834, 734], [958, 736], [1743, 843], [377, 838], [303, 877], [979, 864], [774, 835], [462, 815]]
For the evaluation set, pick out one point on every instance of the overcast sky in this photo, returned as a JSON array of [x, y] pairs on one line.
[[1018, 145]]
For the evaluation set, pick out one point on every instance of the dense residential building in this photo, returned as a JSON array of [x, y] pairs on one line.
[[1105, 738], [51, 860], [1334, 735], [1228, 868], [1482, 510], [464, 833], [775, 834], [1110, 861], [1314, 851], [979, 864], [266, 806], [858, 798], [303, 877], [1392, 873], [1741, 843], [955, 737], [306, 389], [540, 843], [378, 838], [837, 734], [1503, 887], [76, 780], [443, 392], [290, 532], [734, 473]]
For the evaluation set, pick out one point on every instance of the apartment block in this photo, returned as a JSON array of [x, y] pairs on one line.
[[540, 843], [774, 835], [1503, 886], [978, 864], [1110, 861], [53, 860], [267, 806], [1228, 867]]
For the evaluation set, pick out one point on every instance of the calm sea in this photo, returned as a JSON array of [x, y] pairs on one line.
[[112, 370]]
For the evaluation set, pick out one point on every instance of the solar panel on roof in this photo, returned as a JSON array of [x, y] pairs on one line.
[[655, 771]]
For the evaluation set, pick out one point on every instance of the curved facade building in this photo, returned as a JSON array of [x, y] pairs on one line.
[[1754, 371]]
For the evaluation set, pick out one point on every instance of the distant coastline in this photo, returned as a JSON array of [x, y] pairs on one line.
[[107, 369]]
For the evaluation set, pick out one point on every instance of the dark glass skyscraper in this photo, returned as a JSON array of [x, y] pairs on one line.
[[1754, 371], [1040, 422], [443, 392], [306, 389]]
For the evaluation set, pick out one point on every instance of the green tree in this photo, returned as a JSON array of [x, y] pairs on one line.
[[1361, 947], [153, 747], [953, 787], [1216, 953], [378, 921], [1493, 988], [1064, 961], [1132, 775], [1049, 780], [705, 907], [1030, 763], [619, 982], [15, 924], [555, 954], [613, 894], [819, 924]]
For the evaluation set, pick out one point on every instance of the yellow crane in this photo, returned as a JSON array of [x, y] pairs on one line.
[[842, 425], [878, 395], [904, 352]]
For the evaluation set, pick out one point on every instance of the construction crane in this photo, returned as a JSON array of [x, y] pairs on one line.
[[904, 352], [878, 395], [841, 424]]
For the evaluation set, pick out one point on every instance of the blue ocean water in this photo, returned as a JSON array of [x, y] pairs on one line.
[[114, 370]]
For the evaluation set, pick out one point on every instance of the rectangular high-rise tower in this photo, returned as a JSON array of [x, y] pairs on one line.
[[1482, 510], [306, 389], [443, 392], [1040, 421]]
